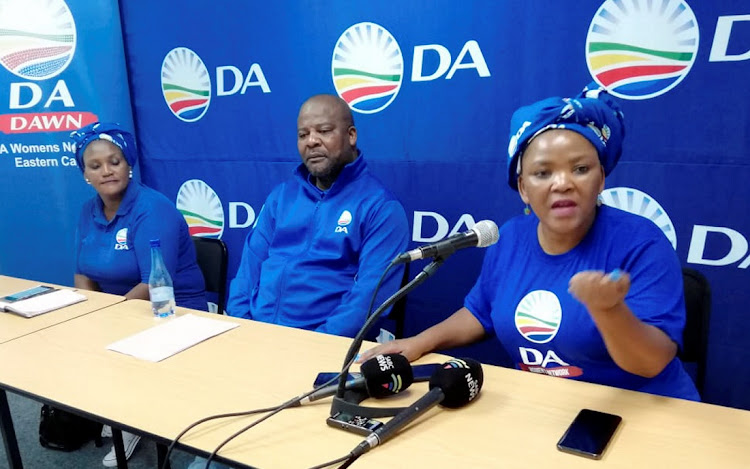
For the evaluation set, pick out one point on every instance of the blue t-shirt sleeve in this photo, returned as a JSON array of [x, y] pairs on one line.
[[656, 292], [479, 299], [387, 235], [158, 221], [254, 252]]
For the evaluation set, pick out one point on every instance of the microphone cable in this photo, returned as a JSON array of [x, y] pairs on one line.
[[274, 410], [377, 286], [347, 460], [206, 419], [277, 409], [350, 458]]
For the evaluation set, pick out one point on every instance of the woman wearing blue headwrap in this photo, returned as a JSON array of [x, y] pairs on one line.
[[573, 289], [112, 250]]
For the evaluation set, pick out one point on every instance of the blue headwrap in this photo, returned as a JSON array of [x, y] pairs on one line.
[[593, 114], [110, 132]]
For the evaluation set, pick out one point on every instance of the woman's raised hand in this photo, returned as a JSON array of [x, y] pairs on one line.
[[599, 291]]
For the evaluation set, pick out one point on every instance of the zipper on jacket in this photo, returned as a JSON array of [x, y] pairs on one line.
[[310, 238]]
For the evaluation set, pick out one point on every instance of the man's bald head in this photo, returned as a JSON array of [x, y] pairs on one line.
[[335, 103]]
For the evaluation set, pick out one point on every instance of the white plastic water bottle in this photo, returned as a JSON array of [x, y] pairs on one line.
[[160, 287]]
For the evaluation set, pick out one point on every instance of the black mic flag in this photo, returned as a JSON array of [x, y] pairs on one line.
[[382, 376], [456, 383]]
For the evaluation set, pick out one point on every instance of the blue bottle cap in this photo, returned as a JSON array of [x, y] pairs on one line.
[[155, 243]]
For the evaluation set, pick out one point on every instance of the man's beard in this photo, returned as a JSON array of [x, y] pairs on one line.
[[328, 175]]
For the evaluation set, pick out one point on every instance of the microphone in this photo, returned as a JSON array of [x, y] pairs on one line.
[[483, 234], [382, 376], [339, 403], [456, 383]]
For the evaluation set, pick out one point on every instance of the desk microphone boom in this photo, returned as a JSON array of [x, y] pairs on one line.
[[483, 234]]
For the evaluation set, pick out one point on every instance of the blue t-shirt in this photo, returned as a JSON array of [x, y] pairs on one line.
[[522, 296], [116, 254]]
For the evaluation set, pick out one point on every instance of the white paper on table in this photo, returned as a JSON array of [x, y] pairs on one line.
[[174, 336], [44, 303]]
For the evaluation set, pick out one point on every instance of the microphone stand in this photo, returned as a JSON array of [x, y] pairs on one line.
[[340, 403]]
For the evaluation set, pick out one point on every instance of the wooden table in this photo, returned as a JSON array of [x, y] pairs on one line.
[[13, 326], [515, 422]]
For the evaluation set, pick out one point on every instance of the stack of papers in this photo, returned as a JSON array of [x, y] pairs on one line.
[[44, 303], [173, 336]]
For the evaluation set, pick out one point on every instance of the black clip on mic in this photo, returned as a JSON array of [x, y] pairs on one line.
[[340, 403]]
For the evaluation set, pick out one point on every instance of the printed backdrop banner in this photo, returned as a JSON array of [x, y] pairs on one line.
[[61, 67], [433, 86]]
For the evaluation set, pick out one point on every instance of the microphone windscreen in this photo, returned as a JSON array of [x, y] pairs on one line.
[[386, 375], [487, 233], [460, 379]]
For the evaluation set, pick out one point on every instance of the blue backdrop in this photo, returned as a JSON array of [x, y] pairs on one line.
[[433, 84], [62, 66]]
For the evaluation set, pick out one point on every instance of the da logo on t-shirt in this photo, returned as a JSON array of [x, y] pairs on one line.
[[122, 240], [344, 220], [538, 316]]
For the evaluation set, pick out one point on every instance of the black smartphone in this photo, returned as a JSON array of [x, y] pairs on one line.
[[26, 294], [421, 373], [589, 433], [353, 423]]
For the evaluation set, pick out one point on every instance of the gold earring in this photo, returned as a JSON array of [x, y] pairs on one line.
[[527, 210]]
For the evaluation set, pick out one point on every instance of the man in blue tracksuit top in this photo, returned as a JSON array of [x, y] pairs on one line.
[[324, 237]]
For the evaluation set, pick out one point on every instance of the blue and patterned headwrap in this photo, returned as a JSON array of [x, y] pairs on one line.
[[593, 114], [110, 132]]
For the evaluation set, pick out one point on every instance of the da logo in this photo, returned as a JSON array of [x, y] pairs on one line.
[[37, 37], [344, 220], [639, 203], [367, 67], [121, 237], [538, 316], [201, 208], [185, 84], [639, 50]]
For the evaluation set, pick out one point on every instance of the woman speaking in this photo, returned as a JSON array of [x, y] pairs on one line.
[[574, 289]]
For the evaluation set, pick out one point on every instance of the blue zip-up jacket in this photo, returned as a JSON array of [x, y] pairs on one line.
[[314, 257]]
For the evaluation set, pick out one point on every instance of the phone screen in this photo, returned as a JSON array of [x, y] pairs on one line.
[[589, 433], [25, 294]]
